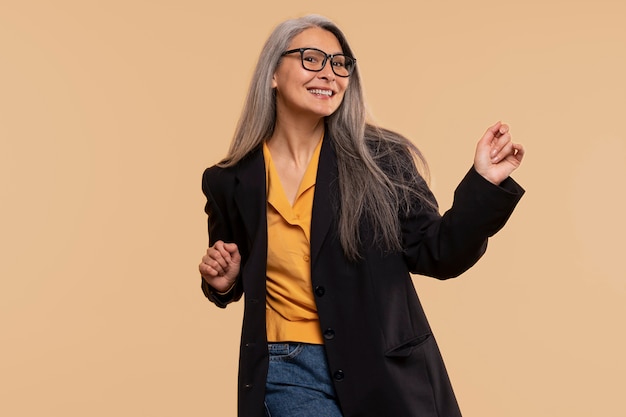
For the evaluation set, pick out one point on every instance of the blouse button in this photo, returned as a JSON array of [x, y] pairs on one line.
[[339, 375], [306, 258]]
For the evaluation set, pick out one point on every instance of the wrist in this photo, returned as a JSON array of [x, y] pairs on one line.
[[229, 289], [485, 174]]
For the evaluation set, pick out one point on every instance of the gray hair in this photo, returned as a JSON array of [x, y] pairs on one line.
[[258, 117], [378, 179]]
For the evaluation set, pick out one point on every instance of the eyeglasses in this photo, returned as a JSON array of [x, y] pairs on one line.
[[315, 60]]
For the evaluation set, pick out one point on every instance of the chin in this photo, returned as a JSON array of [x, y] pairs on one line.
[[327, 111]]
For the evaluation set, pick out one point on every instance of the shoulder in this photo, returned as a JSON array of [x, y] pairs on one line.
[[217, 178], [216, 173], [222, 177]]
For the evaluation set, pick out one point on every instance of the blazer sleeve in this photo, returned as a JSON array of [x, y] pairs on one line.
[[446, 246], [216, 186]]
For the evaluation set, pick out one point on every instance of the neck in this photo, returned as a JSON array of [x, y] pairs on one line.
[[296, 141]]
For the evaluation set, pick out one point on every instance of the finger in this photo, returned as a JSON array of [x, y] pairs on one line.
[[233, 251], [506, 151], [214, 255], [503, 129], [236, 256], [206, 270], [218, 253], [500, 147], [215, 260], [519, 152], [490, 134], [223, 249], [217, 245], [213, 268]]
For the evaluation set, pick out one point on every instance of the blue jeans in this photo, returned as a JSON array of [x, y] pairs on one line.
[[299, 383]]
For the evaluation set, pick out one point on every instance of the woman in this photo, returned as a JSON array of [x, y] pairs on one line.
[[320, 218]]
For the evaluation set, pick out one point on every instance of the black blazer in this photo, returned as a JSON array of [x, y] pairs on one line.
[[381, 352]]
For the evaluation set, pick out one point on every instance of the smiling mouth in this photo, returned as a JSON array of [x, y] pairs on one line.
[[319, 92]]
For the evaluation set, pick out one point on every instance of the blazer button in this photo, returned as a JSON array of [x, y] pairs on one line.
[[338, 375], [329, 334], [320, 291]]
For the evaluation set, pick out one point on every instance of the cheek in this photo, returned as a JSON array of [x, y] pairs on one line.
[[345, 82], [344, 90]]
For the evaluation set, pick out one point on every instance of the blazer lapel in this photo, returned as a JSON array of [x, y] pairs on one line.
[[323, 201], [250, 194]]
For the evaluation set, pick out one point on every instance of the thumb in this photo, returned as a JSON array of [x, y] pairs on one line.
[[233, 250]]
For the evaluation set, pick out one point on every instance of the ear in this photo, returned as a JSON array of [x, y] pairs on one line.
[[274, 83]]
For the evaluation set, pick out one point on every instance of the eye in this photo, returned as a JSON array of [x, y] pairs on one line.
[[339, 61], [312, 56]]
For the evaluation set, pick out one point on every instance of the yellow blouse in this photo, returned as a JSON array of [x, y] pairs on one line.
[[291, 313]]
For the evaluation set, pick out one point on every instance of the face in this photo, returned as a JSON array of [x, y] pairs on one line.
[[300, 92]]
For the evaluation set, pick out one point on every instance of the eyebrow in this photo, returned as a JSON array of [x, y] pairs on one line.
[[320, 49]]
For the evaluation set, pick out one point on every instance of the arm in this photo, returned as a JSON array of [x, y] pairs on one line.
[[221, 264], [446, 246]]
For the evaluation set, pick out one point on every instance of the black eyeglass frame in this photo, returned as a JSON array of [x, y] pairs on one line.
[[326, 58]]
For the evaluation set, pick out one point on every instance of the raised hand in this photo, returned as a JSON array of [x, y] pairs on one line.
[[496, 155]]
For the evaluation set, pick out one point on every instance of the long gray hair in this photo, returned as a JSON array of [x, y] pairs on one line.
[[378, 179]]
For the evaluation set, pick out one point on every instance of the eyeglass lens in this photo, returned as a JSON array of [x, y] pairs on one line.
[[314, 60]]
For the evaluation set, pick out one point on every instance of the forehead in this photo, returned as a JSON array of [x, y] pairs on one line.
[[316, 38]]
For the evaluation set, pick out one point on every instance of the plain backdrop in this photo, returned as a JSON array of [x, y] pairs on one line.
[[111, 110]]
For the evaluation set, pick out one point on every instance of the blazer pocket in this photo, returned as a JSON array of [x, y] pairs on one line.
[[405, 349]]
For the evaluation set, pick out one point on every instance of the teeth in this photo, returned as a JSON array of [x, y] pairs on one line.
[[321, 92]]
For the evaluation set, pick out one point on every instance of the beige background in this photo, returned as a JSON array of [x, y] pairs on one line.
[[110, 110]]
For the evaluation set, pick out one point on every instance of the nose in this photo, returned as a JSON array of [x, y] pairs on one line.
[[327, 71]]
